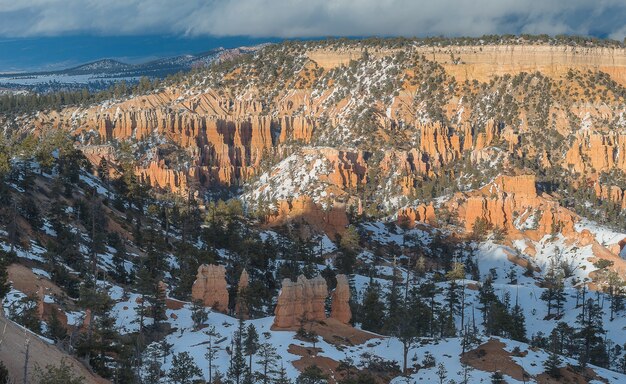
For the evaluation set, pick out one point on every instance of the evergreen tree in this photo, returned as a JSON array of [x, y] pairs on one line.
[[428, 291], [184, 369], [282, 376], [393, 303], [590, 335], [486, 297], [442, 373], [312, 375], [615, 290], [348, 246], [552, 363], [267, 360], [61, 374], [372, 308], [407, 333], [497, 378], [518, 324], [151, 372], [211, 352], [5, 285], [56, 330], [198, 314], [237, 362], [250, 345]]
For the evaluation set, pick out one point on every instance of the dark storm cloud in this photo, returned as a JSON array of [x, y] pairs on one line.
[[308, 18]]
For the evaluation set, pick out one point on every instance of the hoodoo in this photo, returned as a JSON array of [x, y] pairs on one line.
[[340, 307], [210, 287], [302, 300]]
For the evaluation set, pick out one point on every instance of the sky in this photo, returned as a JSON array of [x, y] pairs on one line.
[[53, 33]]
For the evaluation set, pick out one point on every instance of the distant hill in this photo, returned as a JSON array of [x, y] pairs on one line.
[[100, 74]]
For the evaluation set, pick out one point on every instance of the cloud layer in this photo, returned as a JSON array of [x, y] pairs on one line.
[[311, 18]]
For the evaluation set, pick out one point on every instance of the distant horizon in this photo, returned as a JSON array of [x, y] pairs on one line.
[[55, 53], [40, 54]]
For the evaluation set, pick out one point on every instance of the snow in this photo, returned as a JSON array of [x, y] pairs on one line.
[[93, 182], [34, 253], [41, 272]]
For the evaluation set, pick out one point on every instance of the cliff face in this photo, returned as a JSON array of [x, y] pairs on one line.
[[597, 152], [331, 220], [483, 62], [611, 193], [511, 203], [210, 287], [381, 124]]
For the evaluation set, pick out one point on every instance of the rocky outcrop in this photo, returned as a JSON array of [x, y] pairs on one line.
[[303, 300], [509, 201], [340, 305], [210, 287], [408, 216], [597, 152], [331, 220], [611, 193], [158, 175]]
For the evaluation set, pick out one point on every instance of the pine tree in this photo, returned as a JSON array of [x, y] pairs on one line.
[[559, 295], [442, 373], [616, 295], [237, 362], [151, 367], [552, 363], [5, 285], [198, 314], [312, 375], [452, 300], [267, 360], [61, 374], [250, 345], [56, 330], [184, 369], [406, 330], [282, 376], [393, 302], [428, 291], [486, 297], [211, 352], [518, 323], [590, 335], [372, 308], [497, 378]]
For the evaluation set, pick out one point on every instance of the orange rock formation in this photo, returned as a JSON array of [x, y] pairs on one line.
[[302, 300], [514, 198], [333, 220], [340, 307], [210, 287]]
